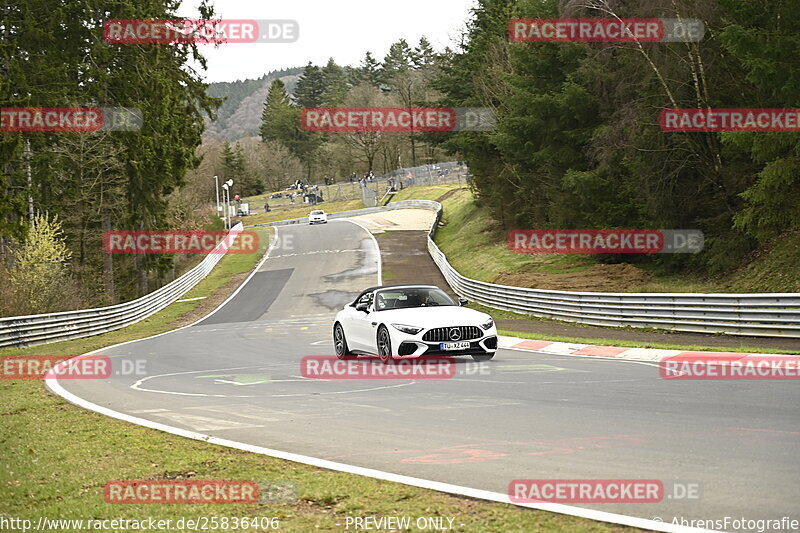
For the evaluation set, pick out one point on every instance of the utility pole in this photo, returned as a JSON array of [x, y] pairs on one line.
[[216, 190], [27, 151]]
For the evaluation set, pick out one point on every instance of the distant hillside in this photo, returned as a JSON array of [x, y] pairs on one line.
[[240, 114]]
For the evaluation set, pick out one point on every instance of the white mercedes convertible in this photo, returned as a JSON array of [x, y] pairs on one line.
[[410, 321]]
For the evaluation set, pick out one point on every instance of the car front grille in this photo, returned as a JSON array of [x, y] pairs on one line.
[[466, 333]]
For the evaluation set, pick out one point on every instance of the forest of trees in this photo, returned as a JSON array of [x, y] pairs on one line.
[[53, 55], [578, 143], [239, 115], [402, 79], [286, 152]]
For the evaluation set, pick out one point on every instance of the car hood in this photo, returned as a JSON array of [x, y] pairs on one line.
[[433, 317]]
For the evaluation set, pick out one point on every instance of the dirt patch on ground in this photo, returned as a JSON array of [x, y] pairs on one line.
[[604, 278], [405, 257], [448, 194]]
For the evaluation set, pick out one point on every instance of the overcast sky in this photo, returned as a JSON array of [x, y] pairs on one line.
[[342, 29]]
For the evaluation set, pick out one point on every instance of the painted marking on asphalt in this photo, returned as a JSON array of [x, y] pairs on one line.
[[56, 387], [469, 403], [604, 351], [138, 386], [777, 431], [315, 252], [593, 357], [463, 452], [227, 382], [536, 369], [439, 486], [204, 423], [239, 379], [465, 456], [239, 411], [377, 248], [532, 345]]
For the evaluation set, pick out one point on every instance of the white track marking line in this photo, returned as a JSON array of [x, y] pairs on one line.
[[377, 248], [138, 386], [448, 488], [598, 357]]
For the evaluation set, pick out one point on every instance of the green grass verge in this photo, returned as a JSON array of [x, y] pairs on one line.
[[57, 458], [429, 192], [167, 318], [475, 244]]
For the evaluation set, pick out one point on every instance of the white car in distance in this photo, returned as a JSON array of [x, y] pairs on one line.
[[318, 217], [411, 321]]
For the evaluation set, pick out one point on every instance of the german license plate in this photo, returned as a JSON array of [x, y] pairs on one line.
[[453, 345]]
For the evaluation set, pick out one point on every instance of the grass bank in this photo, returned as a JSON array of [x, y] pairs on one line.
[[475, 245]]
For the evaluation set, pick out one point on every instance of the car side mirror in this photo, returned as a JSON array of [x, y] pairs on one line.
[[462, 302], [362, 307]]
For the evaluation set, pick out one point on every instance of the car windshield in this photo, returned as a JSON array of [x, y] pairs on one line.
[[406, 297], [317, 212]]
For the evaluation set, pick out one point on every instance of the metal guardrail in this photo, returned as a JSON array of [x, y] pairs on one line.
[[52, 327], [765, 315]]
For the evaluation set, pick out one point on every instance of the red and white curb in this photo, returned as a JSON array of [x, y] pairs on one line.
[[615, 352]]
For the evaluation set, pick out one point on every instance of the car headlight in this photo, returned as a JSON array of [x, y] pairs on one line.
[[488, 325], [411, 330]]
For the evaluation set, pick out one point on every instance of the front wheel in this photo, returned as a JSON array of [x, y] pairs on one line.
[[482, 357], [340, 343], [384, 345]]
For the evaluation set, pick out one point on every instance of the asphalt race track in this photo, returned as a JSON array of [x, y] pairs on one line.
[[236, 375]]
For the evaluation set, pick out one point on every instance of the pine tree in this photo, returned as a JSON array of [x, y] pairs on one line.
[[310, 90], [423, 55], [371, 70], [397, 61], [277, 117], [335, 82]]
